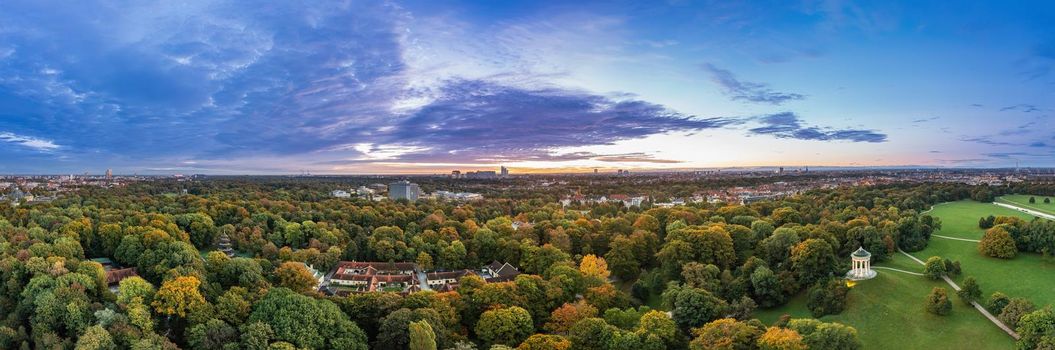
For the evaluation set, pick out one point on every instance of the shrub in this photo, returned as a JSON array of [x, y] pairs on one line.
[[1032, 200], [997, 243], [986, 222], [970, 291], [1014, 311], [997, 302], [934, 268], [952, 268], [938, 302]]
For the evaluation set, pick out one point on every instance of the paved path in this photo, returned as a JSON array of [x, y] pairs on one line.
[[898, 270], [1027, 211], [976, 305], [958, 239]]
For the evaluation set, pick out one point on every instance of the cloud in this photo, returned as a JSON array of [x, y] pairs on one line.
[[789, 125], [637, 157], [1023, 107], [474, 120], [33, 143], [924, 120], [747, 91]]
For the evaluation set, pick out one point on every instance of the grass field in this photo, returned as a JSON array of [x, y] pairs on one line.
[[888, 314], [1022, 200], [1027, 275]]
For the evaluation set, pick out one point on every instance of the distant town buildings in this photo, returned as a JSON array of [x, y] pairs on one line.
[[502, 172], [340, 194], [404, 190], [457, 196]]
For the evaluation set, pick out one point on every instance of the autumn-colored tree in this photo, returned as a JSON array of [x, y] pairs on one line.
[[997, 243], [594, 269], [934, 268], [938, 302], [295, 276], [727, 334], [567, 315], [177, 296], [424, 260], [545, 342], [781, 339]]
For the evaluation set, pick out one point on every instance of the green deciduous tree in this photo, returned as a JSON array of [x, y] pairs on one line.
[[507, 326], [421, 336]]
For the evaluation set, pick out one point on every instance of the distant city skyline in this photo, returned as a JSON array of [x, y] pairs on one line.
[[403, 87]]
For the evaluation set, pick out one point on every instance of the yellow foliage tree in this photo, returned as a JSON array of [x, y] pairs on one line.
[[594, 267], [777, 338], [178, 295]]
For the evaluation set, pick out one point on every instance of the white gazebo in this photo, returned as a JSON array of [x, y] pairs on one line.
[[862, 266]]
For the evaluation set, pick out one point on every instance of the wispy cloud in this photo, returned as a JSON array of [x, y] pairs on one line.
[[1022, 107], [748, 91], [33, 143], [789, 125]]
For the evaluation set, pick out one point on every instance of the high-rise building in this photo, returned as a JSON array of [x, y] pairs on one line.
[[505, 172], [404, 190], [109, 173]]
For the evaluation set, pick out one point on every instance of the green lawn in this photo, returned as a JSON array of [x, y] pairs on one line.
[[1022, 200], [888, 314], [960, 219], [1027, 275]]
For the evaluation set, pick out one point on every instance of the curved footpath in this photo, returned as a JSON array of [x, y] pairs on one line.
[[898, 270], [974, 303]]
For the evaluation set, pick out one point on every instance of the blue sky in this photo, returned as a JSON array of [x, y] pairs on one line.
[[425, 86]]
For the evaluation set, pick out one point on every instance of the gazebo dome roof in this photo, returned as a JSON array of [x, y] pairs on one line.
[[861, 253]]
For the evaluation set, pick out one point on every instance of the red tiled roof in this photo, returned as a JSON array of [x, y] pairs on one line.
[[115, 276]]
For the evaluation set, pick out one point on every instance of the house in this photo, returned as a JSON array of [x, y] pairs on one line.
[[114, 277], [379, 268], [499, 272], [439, 280], [353, 276], [340, 194]]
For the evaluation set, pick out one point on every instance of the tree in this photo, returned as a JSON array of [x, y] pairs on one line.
[[421, 336], [622, 259], [969, 291], [306, 322], [727, 334], [938, 302], [591, 334], [178, 296], [934, 268], [780, 339], [812, 260], [827, 298], [394, 332], [295, 276], [1047, 200], [826, 336], [1014, 311], [134, 287], [692, 307], [594, 269], [508, 326], [213, 334], [997, 302], [997, 243], [567, 315], [256, 336], [986, 222], [766, 287], [658, 331], [424, 260], [545, 342], [95, 338], [1032, 200], [1036, 328]]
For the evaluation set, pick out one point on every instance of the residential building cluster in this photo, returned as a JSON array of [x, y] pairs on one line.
[[405, 277]]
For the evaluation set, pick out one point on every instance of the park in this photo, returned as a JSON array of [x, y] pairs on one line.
[[888, 310]]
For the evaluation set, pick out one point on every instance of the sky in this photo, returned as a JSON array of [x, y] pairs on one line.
[[355, 87]]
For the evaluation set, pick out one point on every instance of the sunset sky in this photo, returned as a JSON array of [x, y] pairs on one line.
[[277, 87]]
